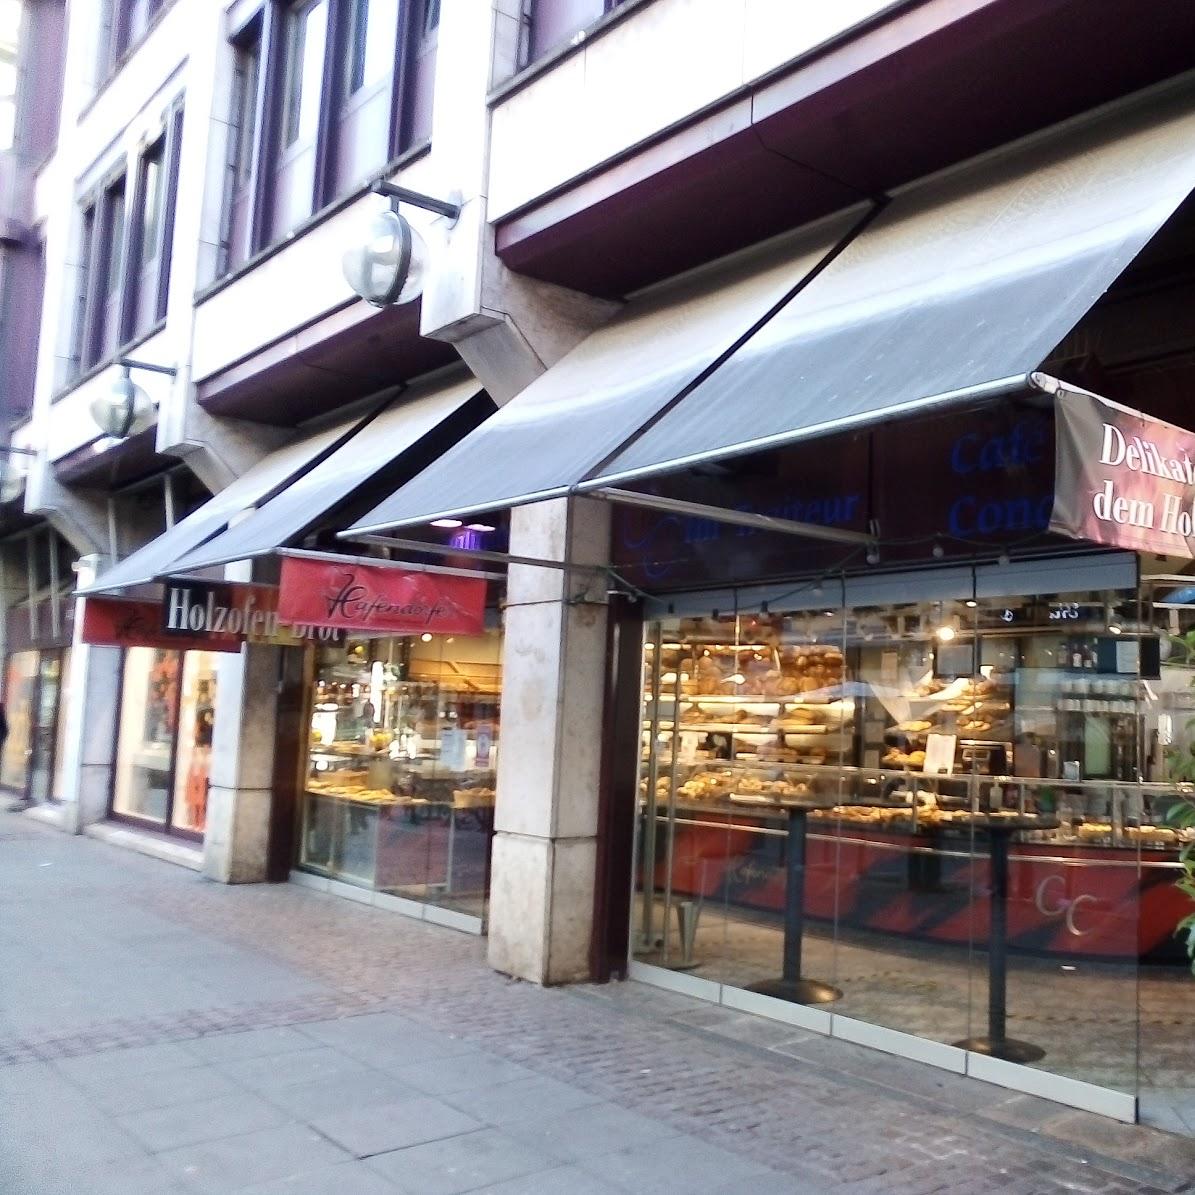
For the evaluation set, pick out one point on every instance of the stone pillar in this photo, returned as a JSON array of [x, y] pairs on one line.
[[236, 840], [543, 872], [89, 701]]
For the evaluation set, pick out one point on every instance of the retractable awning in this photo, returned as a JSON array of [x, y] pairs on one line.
[[958, 289], [255, 485], [381, 443], [585, 407]]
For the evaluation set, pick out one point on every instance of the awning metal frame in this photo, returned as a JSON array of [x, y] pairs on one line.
[[442, 570], [418, 545], [736, 518], [698, 510]]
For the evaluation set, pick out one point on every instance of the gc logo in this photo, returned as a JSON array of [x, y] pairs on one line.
[[1051, 901]]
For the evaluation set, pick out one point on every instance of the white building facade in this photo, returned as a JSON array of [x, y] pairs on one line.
[[642, 187]]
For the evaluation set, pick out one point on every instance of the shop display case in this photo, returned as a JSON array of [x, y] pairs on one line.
[[921, 744], [401, 768]]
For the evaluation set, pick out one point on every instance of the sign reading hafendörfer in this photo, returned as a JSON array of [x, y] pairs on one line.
[[1123, 478], [382, 598]]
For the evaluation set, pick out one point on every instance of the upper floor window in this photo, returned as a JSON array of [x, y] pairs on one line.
[[363, 120], [152, 230], [550, 24], [326, 92], [87, 222], [238, 204], [124, 263], [104, 275], [24, 276], [39, 79], [123, 24], [302, 74]]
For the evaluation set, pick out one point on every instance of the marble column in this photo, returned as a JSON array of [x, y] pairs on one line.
[[236, 839], [554, 664], [89, 701]]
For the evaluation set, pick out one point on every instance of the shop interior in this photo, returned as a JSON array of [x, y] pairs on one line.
[[948, 816], [401, 766]]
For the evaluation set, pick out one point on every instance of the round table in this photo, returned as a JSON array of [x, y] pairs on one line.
[[792, 985]]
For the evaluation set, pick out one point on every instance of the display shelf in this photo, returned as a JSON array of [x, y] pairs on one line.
[[751, 700]]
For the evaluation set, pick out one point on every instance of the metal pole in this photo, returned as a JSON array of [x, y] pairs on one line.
[[671, 828], [736, 518], [113, 554], [31, 586], [55, 595], [418, 545], [651, 806], [998, 938], [794, 894]]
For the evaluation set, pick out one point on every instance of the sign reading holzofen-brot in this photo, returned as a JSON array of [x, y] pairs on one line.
[[1122, 478]]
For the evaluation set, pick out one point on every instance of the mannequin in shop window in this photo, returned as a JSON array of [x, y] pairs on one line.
[[201, 758]]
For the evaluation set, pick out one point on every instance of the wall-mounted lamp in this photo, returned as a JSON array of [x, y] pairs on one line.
[[388, 266], [12, 480], [125, 409]]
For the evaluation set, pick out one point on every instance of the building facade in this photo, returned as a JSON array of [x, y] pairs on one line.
[[686, 237]]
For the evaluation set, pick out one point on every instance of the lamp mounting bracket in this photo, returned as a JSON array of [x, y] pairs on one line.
[[442, 207], [149, 366]]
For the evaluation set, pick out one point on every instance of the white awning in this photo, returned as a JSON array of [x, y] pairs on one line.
[[959, 289], [583, 409], [258, 484], [378, 444]]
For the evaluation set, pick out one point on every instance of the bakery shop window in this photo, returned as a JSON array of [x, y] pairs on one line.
[[193, 760], [401, 767], [947, 816], [163, 747]]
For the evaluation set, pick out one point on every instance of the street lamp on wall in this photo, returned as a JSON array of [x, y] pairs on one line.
[[124, 409], [388, 267], [12, 474]]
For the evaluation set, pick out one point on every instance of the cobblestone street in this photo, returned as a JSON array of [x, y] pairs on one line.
[[161, 1033]]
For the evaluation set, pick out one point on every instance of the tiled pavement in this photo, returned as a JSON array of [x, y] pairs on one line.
[[159, 1033]]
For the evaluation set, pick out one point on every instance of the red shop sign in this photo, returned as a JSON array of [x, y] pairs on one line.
[[379, 598], [121, 622]]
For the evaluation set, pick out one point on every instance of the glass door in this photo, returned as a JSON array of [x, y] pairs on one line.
[[45, 723]]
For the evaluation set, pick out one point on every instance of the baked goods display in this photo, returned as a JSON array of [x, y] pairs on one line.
[[756, 670], [400, 744], [768, 703], [473, 798], [755, 724]]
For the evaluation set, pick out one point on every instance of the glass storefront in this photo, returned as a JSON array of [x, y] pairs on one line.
[[45, 736], [58, 767], [20, 697], [193, 761], [943, 817], [163, 749], [401, 766]]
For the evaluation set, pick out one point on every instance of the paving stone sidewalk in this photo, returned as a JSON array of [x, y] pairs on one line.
[[159, 1033]]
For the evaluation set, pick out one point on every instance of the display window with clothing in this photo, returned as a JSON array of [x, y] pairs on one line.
[[164, 739]]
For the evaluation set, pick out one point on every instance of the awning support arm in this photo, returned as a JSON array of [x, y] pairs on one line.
[[737, 518], [418, 545]]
